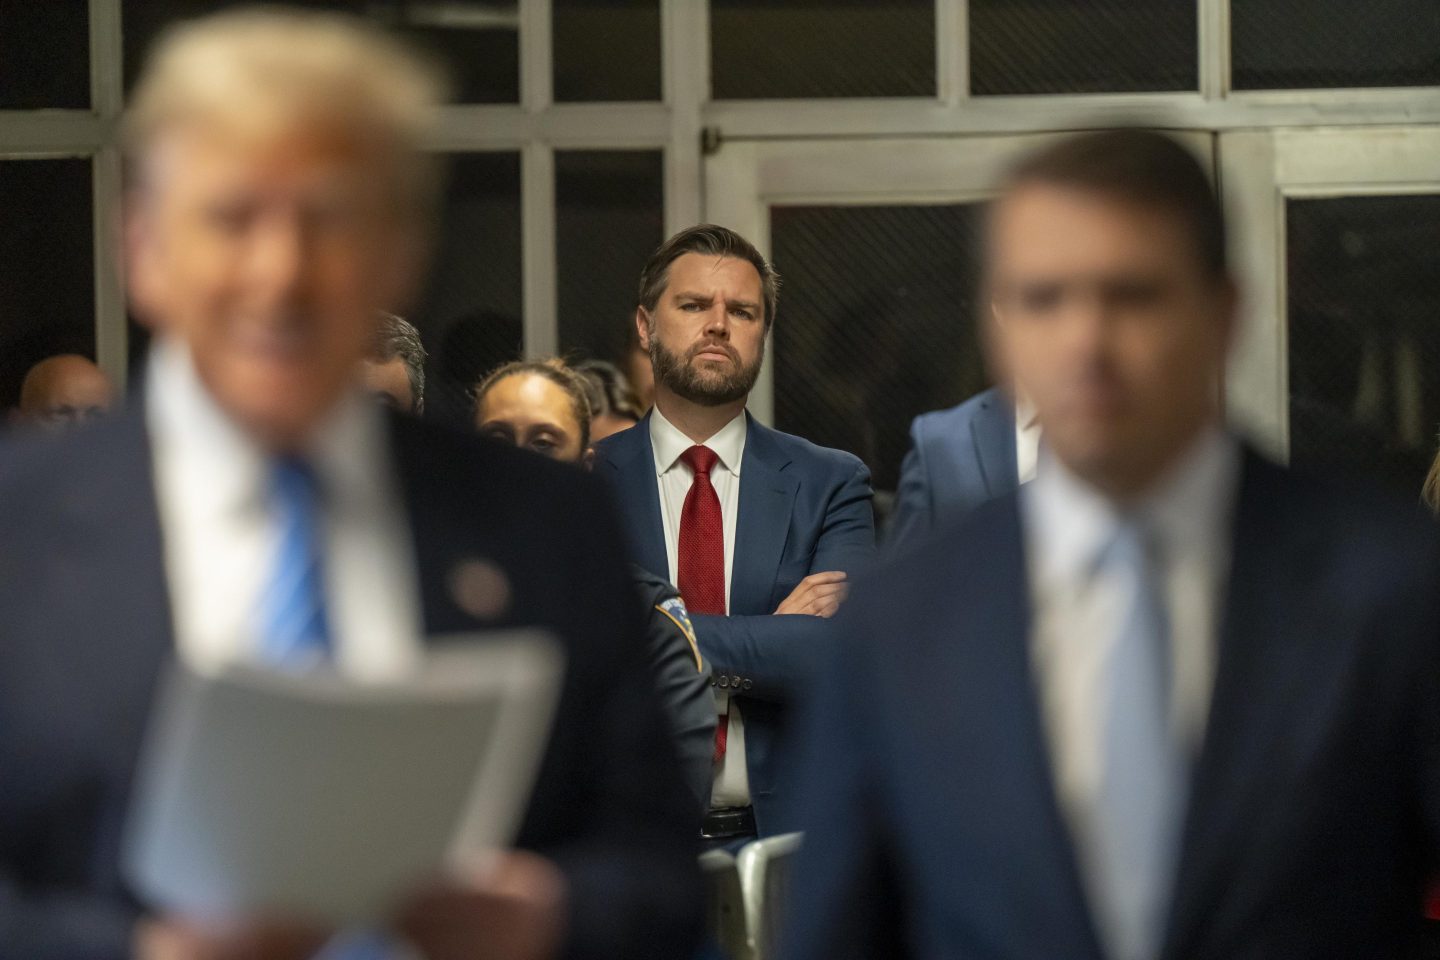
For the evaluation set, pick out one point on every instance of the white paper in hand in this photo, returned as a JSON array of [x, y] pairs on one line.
[[311, 797]]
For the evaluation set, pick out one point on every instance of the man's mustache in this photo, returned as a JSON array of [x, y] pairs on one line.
[[724, 348]]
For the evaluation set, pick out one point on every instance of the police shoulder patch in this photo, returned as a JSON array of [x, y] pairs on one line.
[[674, 608]]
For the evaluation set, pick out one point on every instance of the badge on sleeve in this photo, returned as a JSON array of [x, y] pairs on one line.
[[674, 608]]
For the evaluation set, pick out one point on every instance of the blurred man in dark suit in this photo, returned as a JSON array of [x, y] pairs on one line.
[[757, 528], [257, 509], [960, 458], [1168, 700]]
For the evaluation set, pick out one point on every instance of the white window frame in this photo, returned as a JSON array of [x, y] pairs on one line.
[[538, 126], [1261, 170]]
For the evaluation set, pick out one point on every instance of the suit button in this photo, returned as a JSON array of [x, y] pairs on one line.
[[746, 685], [724, 683]]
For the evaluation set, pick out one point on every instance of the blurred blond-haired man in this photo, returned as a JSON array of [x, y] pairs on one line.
[[258, 509]]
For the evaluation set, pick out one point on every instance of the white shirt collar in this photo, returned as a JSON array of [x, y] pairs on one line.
[[189, 427], [1026, 416], [1189, 509], [668, 443]]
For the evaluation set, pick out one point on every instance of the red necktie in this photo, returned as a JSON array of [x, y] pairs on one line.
[[701, 561]]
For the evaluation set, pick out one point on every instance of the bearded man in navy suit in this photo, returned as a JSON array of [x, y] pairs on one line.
[[758, 529]]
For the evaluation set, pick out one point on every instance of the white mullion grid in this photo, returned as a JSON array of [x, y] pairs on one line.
[[1213, 22], [952, 51], [537, 184], [685, 86], [107, 101], [996, 115]]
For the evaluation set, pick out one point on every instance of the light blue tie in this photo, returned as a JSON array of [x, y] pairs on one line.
[[1144, 768], [295, 630]]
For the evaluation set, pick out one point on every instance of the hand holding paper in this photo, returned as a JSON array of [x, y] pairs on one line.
[[311, 797]]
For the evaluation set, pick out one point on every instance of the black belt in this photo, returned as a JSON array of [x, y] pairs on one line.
[[725, 823]]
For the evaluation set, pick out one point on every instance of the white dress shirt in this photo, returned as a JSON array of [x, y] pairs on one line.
[[221, 532], [1078, 609], [732, 780], [1027, 442]]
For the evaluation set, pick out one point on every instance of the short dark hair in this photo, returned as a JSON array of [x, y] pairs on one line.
[[555, 370], [397, 337], [1141, 166], [613, 393], [710, 240]]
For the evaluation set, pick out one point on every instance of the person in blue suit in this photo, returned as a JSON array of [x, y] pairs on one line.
[[256, 509], [959, 458], [1169, 700], [758, 529]]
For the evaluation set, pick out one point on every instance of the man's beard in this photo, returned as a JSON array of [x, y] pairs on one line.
[[709, 388]]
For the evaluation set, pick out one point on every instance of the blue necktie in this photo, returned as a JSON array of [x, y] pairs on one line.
[[1144, 770], [295, 630]]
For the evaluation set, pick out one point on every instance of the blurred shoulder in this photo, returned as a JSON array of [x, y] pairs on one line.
[[951, 420], [469, 475], [40, 470], [1364, 522]]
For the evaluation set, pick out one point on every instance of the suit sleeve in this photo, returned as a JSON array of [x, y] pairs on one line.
[[914, 507], [782, 654], [845, 900], [684, 684], [62, 925], [635, 888]]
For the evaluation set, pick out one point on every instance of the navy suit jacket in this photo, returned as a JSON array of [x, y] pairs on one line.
[[803, 509], [958, 459], [85, 628], [1315, 804]]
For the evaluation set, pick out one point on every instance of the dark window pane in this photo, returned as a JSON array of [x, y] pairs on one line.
[[479, 42], [47, 289], [45, 55], [609, 217], [470, 316], [1099, 46], [1364, 304], [876, 323], [1286, 44], [606, 50], [822, 48]]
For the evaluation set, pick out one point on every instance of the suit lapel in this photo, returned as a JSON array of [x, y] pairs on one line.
[[1273, 703], [631, 463], [992, 431], [767, 495], [1000, 681]]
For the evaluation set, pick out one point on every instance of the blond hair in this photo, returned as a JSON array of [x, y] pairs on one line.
[[265, 67]]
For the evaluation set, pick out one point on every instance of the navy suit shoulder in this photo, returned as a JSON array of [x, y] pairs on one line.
[[959, 457]]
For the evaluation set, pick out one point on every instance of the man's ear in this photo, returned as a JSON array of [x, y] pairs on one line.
[[587, 460], [642, 328]]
